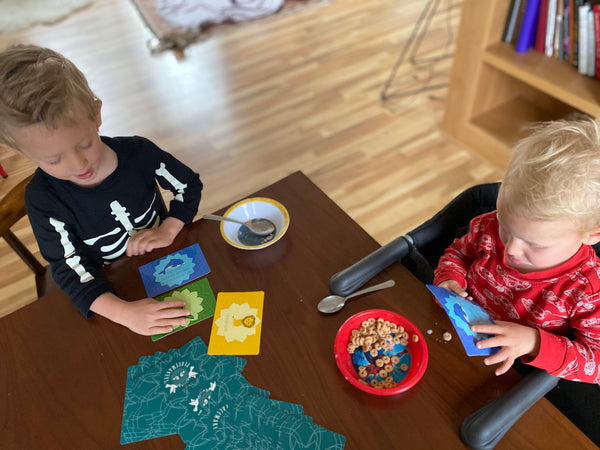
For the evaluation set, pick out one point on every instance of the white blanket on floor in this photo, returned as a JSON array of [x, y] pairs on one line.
[[195, 13]]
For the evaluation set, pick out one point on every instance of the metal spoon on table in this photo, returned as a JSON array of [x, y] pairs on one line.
[[260, 227], [333, 303]]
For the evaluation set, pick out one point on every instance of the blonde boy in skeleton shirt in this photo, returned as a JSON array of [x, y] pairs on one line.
[[92, 198], [530, 263]]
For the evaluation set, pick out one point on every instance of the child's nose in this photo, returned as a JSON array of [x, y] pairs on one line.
[[78, 162], [513, 248]]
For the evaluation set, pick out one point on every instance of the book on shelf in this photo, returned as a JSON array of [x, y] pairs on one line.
[[591, 44], [558, 31], [583, 38], [540, 35], [596, 13], [571, 35], [576, 4], [550, 27], [512, 19], [566, 33], [568, 30], [527, 32]]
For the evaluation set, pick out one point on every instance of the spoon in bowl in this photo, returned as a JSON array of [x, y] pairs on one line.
[[260, 227], [333, 303]]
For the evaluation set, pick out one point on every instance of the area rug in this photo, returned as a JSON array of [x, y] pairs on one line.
[[178, 23], [16, 15]]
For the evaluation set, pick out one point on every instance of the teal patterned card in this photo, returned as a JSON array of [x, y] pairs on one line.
[[207, 401], [172, 389]]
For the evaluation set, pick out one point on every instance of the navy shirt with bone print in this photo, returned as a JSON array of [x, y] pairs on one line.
[[80, 229]]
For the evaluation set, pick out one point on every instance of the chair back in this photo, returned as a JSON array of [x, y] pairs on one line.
[[12, 206], [12, 209]]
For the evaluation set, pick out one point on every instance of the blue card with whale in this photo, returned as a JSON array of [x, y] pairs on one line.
[[174, 270], [463, 313]]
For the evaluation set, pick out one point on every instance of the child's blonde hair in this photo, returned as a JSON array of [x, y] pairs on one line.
[[40, 86], [554, 173]]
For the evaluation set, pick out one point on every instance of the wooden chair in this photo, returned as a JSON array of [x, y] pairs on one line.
[[12, 209]]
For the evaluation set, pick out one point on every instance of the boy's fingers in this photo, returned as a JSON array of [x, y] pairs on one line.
[[161, 330], [172, 304]]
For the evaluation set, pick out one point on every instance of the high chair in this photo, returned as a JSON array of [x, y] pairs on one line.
[[12, 209], [419, 251]]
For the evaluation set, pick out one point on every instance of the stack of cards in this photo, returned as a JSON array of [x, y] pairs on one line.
[[173, 271], [207, 401]]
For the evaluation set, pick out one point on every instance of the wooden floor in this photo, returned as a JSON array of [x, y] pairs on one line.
[[250, 106]]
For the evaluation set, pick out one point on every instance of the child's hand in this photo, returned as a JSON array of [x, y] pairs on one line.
[[514, 340], [453, 286], [148, 316], [145, 241]]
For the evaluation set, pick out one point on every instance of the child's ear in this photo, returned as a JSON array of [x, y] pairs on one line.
[[592, 237], [98, 113]]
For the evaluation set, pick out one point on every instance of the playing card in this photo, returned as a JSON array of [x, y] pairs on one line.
[[258, 423], [464, 313], [206, 400], [167, 390], [199, 299], [237, 324], [174, 270]]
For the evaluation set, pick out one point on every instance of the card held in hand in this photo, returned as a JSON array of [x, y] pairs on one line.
[[464, 313]]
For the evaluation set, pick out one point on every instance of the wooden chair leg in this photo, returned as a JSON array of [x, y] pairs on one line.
[[24, 253]]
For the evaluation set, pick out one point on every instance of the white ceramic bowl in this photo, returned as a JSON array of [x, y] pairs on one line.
[[255, 208]]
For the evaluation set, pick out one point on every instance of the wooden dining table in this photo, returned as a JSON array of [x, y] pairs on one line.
[[63, 377]]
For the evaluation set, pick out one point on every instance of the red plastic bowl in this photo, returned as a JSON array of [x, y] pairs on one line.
[[417, 351]]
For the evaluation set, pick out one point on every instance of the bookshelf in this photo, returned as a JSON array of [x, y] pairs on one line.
[[494, 92]]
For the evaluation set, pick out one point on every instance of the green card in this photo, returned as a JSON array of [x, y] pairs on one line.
[[200, 301]]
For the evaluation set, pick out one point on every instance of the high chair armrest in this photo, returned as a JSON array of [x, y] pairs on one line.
[[350, 279], [484, 428]]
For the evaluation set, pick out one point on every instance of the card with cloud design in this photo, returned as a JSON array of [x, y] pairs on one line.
[[174, 270], [237, 324]]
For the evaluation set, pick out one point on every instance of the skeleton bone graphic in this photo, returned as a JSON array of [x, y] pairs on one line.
[[123, 233], [178, 185]]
